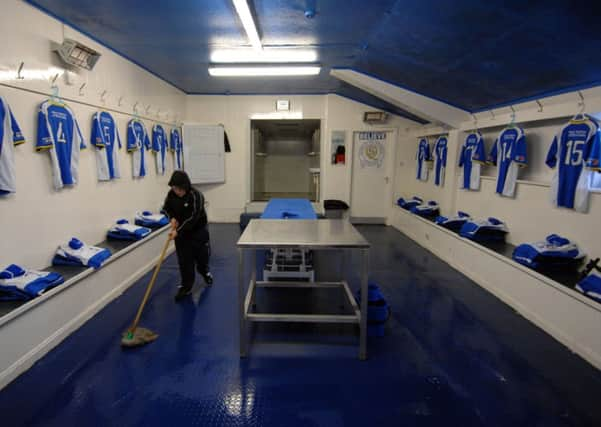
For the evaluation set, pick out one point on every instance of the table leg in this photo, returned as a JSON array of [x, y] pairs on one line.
[[253, 275], [243, 340], [343, 263], [363, 326]]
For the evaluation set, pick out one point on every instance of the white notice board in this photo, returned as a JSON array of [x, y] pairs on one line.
[[204, 158]]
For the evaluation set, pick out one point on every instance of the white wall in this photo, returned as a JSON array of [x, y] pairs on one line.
[[287, 166], [287, 174], [37, 219], [227, 201], [530, 215]]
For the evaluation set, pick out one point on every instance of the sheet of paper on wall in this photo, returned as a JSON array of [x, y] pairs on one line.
[[204, 150]]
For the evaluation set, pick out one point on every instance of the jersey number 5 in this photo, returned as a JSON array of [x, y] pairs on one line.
[[107, 135]]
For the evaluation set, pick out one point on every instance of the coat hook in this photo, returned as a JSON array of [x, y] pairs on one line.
[[54, 79], [147, 108], [540, 106], [120, 101], [81, 89], [136, 107], [581, 103], [159, 113], [492, 113], [512, 113], [19, 76], [103, 96]]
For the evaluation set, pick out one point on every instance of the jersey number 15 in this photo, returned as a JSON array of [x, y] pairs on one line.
[[574, 153]]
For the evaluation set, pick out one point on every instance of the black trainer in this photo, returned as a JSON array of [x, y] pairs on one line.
[[182, 293], [208, 278]]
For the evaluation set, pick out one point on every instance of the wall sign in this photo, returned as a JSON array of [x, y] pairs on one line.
[[282, 105], [371, 149]]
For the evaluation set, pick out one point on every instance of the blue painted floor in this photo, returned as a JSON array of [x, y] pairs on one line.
[[453, 355]]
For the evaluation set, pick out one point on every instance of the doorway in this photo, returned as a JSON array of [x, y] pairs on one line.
[[285, 159]]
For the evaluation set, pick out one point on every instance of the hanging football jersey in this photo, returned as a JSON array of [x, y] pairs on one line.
[[105, 138], [575, 151], [10, 136], [137, 144], [159, 146], [59, 133], [471, 157], [175, 145], [508, 154], [439, 153], [423, 158]]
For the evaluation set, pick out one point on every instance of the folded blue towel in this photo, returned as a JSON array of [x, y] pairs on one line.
[[591, 286], [554, 251]]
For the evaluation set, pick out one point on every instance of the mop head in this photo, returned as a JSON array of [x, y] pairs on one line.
[[138, 338]]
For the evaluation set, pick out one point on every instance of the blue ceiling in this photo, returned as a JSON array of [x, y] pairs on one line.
[[474, 54]]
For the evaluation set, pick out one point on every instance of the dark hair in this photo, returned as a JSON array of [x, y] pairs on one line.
[[180, 179]]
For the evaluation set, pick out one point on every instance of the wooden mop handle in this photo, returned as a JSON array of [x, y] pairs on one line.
[[149, 288]]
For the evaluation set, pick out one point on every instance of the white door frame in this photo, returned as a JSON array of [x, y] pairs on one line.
[[389, 168]]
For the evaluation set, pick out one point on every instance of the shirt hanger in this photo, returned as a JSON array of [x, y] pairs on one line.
[[54, 96], [512, 124], [580, 115]]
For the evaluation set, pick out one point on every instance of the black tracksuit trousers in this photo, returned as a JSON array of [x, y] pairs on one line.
[[193, 252]]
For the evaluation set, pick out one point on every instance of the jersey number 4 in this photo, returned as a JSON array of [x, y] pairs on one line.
[[60, 134], [507, 151], [574, 153]]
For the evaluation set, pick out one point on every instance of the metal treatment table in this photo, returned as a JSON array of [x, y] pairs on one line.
[[314, 235]]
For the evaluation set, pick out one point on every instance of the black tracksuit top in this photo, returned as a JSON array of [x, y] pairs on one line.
[[189, 211]]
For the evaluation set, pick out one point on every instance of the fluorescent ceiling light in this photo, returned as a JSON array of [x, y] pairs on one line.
[[248, 22], [286, 115], [265, 55], [229, 71]]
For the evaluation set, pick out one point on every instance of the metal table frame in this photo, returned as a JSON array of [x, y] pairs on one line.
[[246, 297]]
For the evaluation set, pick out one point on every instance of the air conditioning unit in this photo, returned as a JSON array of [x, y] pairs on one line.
[[375, 117], [75, 53]]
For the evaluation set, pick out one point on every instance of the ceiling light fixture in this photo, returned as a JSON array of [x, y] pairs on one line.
[[264, 70], [284, 115], [266, 55], [248, 22]]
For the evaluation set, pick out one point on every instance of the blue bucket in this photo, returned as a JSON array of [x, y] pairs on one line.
[[378, 310]]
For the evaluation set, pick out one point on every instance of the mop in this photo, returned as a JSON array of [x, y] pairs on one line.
[[135, 336]]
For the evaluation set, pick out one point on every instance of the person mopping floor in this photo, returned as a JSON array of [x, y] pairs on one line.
[[184, 205]]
